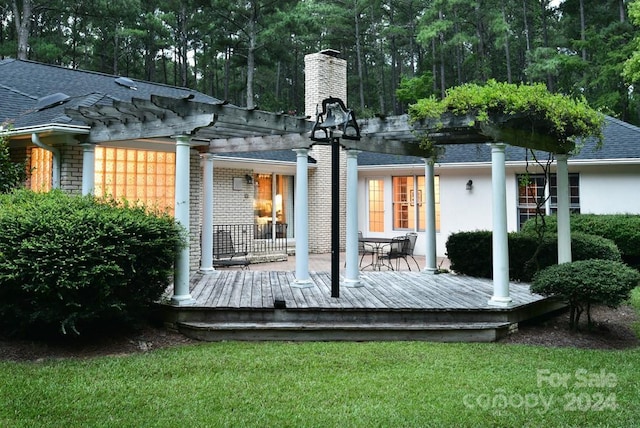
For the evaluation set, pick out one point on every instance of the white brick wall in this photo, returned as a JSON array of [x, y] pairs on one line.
[[71, 169], [232, 206], [325, 76]]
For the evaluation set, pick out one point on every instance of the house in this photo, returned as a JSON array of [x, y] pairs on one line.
[[601, 179], [89, 132]]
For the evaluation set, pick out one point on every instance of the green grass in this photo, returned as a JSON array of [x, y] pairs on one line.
[[385, 384], [327, 385]]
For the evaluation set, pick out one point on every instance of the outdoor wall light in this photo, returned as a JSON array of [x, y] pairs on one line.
[[470, 185], [248, 178]]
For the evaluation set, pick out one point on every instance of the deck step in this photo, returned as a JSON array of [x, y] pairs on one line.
[[304, 331]]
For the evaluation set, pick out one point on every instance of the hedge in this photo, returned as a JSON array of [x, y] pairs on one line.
[[470, 253], [623, 229], [70, 263]]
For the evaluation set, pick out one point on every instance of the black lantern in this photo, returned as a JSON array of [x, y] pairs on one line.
[[335, 122]]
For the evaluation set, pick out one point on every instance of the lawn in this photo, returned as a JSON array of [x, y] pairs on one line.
[[328, 385]]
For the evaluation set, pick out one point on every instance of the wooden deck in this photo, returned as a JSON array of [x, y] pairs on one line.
[[241, 304]]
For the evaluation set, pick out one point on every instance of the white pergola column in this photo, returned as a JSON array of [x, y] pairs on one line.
[[352, 273], [564, 222], [500, 237], [430, 216], [301, 218], [206, 240], [181, 294], [88, 168]]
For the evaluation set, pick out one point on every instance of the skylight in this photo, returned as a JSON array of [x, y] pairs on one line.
[[126, 82], [52, 100]]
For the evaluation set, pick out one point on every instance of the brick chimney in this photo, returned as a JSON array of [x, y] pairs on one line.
[[325, 76]]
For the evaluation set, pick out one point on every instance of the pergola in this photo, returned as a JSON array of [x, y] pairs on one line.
[[213, 128]]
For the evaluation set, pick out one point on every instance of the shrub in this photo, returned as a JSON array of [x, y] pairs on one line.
[[12, 174], [470, 253], [623, 229], [586, 282], [71, 263]]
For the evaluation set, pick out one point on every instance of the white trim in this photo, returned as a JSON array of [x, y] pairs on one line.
[[52, 128], [510, 164]]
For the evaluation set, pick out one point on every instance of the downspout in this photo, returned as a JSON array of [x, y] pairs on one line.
[[55, 171]]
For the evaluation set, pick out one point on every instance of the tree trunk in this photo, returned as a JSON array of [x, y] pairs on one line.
[[23, 27], [359, 56], [443, 85], [527, 34], [583, 31], [182, 52], [507, 50], [115, 51], [545, 38], [251, 58]]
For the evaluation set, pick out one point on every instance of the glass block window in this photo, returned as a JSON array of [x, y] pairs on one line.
[[137, 176], [40, 165]]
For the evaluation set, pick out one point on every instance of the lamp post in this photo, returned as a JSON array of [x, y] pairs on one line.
[[335, 121]]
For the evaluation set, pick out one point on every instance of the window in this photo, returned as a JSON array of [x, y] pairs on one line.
[[136, 175], [408, 202], [376, 205], [273, 198], [534, 191], [40, 166]]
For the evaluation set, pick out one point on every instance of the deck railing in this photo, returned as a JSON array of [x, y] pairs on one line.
[[256, 238]]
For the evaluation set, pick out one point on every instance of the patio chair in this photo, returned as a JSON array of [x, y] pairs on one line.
[[397, 249], [412, 236], [365, 249], [225, 253]]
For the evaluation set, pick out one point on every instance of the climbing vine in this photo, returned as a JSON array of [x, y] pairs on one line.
[[524, 108]]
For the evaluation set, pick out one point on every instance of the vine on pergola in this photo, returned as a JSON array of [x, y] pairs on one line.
[[521, 115], [525, 115]]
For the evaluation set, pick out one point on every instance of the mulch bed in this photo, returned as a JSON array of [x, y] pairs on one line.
[[613, 330]]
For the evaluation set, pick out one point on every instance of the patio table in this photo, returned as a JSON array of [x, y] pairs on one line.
[[377, 244]]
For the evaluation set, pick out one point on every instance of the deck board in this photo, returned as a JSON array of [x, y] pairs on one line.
[[393, 290]]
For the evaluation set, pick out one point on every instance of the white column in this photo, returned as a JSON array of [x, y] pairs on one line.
[[206, 240], [352, 273], [430, 216], [88, 168], [500, 237], [181, 294], [564, 223], [301, 219]]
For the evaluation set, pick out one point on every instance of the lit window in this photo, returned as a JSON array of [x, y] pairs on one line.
[[40, 166], [409, 200], [273, 199], [376, 205], [137, 176]]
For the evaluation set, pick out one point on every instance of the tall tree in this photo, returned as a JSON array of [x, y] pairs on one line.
[[22, 11]]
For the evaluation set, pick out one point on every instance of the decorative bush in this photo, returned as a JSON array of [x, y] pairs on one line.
[[70, 263], [623, 229], [587, 282], [470, 253]]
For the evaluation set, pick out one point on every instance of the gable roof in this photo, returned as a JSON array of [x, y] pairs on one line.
[[23, 83], [621, 141]]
